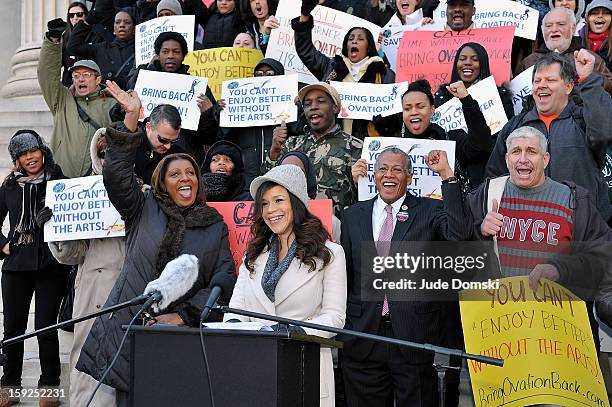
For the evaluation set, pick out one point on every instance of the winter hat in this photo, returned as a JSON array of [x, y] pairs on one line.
[[276, 66], [172, 5], [170, 35], [579, 8], [323, 86], [86, 63], [311, 176], [289, 176], [226, 148], [27, 140], [598, 3]]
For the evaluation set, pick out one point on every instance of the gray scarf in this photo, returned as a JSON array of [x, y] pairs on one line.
[[273, 270], [29, 207]]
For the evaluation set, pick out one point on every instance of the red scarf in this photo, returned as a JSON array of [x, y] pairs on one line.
[[596, 40]]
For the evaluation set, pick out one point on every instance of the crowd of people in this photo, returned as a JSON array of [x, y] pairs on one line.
[[160, 176]]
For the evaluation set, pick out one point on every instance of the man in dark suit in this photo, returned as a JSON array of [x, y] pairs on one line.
[[378, 374]]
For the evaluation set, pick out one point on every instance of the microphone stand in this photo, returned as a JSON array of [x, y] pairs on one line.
[[134, 301], [441, 350]]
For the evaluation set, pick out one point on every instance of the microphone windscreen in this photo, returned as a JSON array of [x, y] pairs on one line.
[[226, 282], [177, 278]]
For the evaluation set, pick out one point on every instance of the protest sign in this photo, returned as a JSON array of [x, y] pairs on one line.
[[238, 216], [430, 54], [545, 340], [521, 88], [365, 100], [147, 32], [262, 101], [449, 116], [180, 91], [393, 32], [424, 181], [81, 210], [500, 13], [330, 27], [222, 64]]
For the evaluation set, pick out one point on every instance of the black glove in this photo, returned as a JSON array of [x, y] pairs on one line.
[[43, 216], [291, 329], [56, 28], [92, 17], [308, 6]]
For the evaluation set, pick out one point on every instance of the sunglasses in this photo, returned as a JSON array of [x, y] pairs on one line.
[[166, 141], [264, 73], [78, 14]]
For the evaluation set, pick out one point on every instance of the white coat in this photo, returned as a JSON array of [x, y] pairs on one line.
[[317, 296]]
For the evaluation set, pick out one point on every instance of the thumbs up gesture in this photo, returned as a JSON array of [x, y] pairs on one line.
[[492, 223]]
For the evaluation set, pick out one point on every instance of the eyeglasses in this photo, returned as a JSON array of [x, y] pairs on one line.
[[78, 14], [264, 73], [85, 75], [166, 141], [394, 170], [101, 154]]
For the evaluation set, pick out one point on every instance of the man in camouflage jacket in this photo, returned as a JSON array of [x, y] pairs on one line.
[[331, 150]]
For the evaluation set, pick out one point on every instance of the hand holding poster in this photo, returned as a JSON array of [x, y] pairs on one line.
[[238, 216], [366, 100], [500, 13], [425, 182], [180, 91], [81, 210], [521, 88], [545, 340], [147, 32], [222, 64], [262, 101], [449, 116], [330, 27], [430, 54]]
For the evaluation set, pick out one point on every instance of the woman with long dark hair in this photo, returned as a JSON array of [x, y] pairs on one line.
[[29, 267], [597, 35], [471, 64], [259, 18], [290, 268], [358, 62]]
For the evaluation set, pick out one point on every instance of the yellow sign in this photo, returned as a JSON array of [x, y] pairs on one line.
[[545, 340], [221, 64]]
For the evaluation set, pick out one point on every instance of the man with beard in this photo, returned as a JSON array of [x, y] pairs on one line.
[[331, 150], [170, 51], [459, 15], [558, 29]]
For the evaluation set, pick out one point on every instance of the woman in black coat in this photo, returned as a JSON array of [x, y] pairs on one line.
[[163, 223], [358, 62], [223, 173], [471, 65], [223, 24], [29, 267]]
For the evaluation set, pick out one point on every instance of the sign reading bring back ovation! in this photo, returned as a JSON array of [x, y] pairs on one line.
[[366, 100], [81, 210]]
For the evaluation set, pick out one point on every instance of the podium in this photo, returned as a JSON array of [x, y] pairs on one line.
[[247, 368]]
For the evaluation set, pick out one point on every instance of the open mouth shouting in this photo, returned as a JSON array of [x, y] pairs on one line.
[[185, 192], [354, 53], [416, 124]]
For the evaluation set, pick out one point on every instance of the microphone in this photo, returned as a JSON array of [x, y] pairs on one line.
[[175, 280], [222, 286]]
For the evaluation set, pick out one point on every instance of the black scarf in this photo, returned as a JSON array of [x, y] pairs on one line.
[[220, 187], [197, 215]]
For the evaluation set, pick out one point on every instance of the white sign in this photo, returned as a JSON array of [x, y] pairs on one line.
[[393, 32], [181, 91], [330, 27], [261, 101], [147, 32], [425, 182], [81, 210], [500, 13], [449, 116], [366, 100], [521, 87]]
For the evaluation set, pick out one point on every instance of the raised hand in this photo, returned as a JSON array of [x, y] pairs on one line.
[[270, 24], [359, 169], [129, 101], [308, 6], [458, 89], [204, 103], [279, 137], [493, 222], [437, 161], [585, 62]]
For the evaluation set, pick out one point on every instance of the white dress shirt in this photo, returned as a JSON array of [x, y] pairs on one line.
[[379, 214]]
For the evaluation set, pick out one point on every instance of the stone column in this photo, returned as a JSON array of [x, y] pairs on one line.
[[34, 17]]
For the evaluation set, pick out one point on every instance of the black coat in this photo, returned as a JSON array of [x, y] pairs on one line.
[[146, 225], [115, 59], [25, 257], [422, 322], [221, 29]]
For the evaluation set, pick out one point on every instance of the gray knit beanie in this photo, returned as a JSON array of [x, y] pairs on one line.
[[289, 176], [172, 5], [24, 141]]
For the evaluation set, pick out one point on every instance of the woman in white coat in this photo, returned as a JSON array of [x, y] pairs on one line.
[[291, 269]]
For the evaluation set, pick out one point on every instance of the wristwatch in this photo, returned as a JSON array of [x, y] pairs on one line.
[[450, 180]]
